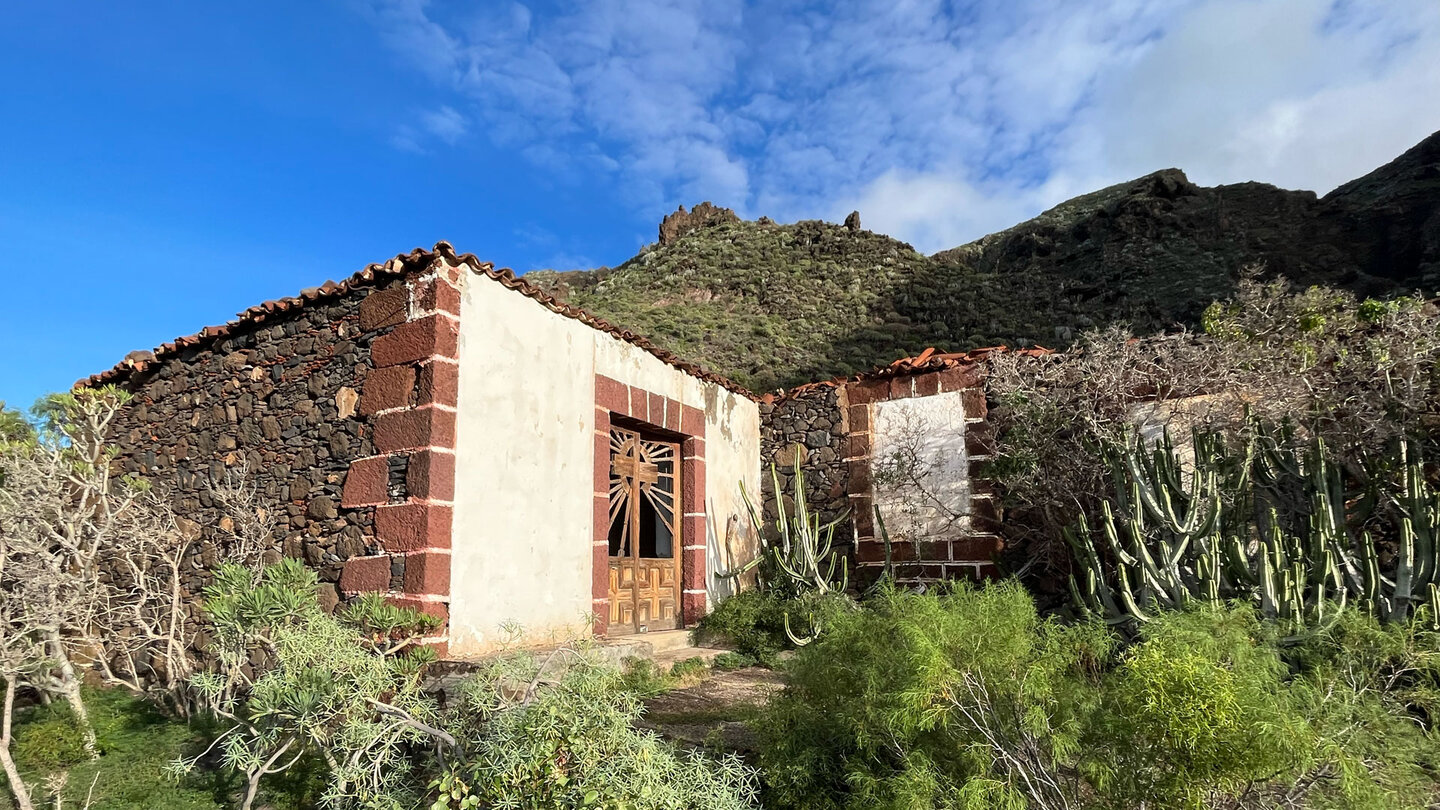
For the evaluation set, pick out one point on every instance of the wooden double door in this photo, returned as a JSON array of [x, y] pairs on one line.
[[644, 532]]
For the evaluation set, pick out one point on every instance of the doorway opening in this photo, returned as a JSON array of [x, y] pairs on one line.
[[644, 532]]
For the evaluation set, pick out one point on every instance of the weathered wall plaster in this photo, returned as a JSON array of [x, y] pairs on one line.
[[920, 469], [523, 550], [521, 540]]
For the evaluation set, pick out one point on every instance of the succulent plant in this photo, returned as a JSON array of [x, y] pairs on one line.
[[1264, 522]]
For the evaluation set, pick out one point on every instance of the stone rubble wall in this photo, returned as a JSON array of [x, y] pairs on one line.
[[281, 401], [815, 420], [835, 426], [927, 544]]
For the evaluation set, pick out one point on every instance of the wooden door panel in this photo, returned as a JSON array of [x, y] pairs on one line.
[[644, 533]]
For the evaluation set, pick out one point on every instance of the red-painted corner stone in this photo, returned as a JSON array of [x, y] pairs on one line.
[[612, 395], [657, 409], [860, 417], [431, 476], [439, 384], [387, 388], [439, 610], [961, 377], [413, 526], [384, 308], [927, 385], [693, 532], [366, 483], [693, 447], [436, 295], [365, 574], [692, 570], [972, 403], [601, 522], [692, 486], [673, 410], [692, 607], [414, 429], [427, 572], [600, 572], [431, 336], [692, 421], [602, 617], [864, 393], [601, 458], [639, 404]]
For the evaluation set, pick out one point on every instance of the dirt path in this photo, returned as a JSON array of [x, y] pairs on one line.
[[715, 711]]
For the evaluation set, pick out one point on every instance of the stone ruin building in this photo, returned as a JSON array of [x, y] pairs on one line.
[[444, 432]]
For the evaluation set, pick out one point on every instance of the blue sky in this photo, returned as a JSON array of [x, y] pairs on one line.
[[163, 166]]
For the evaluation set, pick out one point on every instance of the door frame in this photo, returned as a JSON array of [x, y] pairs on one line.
[[669, 419], [639, 572]]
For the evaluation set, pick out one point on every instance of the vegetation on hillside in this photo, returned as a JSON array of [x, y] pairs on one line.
[[1359, 376], [773, 306]]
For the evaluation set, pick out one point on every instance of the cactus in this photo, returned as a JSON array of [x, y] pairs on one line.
[[1261, 523], [800, 558]]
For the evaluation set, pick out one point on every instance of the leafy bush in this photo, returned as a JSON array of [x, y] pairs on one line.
[[645, 679], [294, 682], [49, 739], [752, 622], [136, 744], [961, 699], [730, 661], [558, 732], [970, 700], [1197, 709]]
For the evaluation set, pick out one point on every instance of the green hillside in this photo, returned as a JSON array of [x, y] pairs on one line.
[[776, 305]]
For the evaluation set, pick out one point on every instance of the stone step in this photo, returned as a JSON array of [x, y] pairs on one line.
[[668, 659], [661, 641]]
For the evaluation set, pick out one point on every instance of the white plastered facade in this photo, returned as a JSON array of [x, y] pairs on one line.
[[920, 466], [521, 543]]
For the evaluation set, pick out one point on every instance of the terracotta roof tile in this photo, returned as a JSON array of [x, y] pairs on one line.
[[415, 261], [928, 360]]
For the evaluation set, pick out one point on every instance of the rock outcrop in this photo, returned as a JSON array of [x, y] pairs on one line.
[[676, 225], [776, 305]]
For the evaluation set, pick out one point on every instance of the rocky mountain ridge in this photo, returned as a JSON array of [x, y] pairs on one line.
[[773, 305]]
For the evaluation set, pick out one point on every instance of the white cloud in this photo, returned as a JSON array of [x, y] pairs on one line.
[[444, 124], [940, 123]]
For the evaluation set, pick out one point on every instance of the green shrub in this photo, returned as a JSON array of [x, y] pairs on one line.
[[730, 661], [1200, 707], [558, 732], [136, 743], [688, 669], [752, 622], [646, 679], [960, 699], [48, 739], [1374, 691], [969, 699], [344, 689]]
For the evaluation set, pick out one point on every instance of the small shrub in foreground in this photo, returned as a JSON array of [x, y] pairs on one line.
[[753, 622], [968, 699], [965, 699], [558, 732]]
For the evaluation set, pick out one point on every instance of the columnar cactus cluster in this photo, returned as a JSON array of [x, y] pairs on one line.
[[1259, 520]]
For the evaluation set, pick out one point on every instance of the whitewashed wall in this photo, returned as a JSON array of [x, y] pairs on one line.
[[521, 544], [920, 467]]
